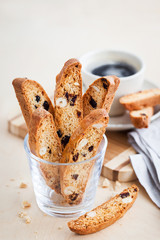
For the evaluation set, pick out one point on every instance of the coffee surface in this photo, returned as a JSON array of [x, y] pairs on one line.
[[120, 69]]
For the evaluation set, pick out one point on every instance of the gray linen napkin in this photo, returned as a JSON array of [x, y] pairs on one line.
[[146, 164]]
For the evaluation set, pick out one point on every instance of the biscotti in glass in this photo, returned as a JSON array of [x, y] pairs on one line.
[[53, 203]]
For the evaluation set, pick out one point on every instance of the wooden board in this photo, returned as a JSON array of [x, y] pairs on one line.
[[116, 165], [17, 126]]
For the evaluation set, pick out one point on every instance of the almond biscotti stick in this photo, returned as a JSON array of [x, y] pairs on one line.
[[68, 100], [44, 143], [105, 214], [141, 118], [100, 94], [83, 145], [142, 99], [31, 96]]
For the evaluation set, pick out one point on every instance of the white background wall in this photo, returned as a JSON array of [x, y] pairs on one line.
[[37, 37]]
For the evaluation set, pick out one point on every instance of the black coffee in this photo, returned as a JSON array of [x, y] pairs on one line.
[[120, 69]]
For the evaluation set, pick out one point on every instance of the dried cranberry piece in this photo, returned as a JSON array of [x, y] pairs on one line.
[[65, 140], [75, 157], [78, 113], [72, 101], [143, 114], [93, 103], [105, 85], [135, 190], [46, 105], [75, 176], [84, 154], [124, 195], [50, 151], [35, 106], [57, 186], [103, 80], [67, 95], [74, 196], [38, 98], [90, 149], [59, 133]]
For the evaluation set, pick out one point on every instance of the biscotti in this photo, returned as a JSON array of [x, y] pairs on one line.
[[105, 214], [68, 100], [141, 118], [100, 94], [31, 96], [140, 100], [44, 143], [83, 145]]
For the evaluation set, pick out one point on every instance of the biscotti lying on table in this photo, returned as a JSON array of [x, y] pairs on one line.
[[105, 214], [63, 133], [141, 105], [141, 99], [141, 118]]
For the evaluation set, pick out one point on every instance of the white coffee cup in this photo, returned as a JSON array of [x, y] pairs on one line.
[[130, 84]]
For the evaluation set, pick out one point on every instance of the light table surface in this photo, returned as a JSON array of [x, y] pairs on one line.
[[37, 37]]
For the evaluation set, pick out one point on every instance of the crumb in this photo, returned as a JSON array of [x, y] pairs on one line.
[[27, 219], [22, 214], [12, 179], [18, 192], [105, 183], [26, 204], [7, 185], [60, 227], [23, 185], [44, 214]]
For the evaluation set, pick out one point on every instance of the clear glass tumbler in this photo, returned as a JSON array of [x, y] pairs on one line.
[[43, 178]]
